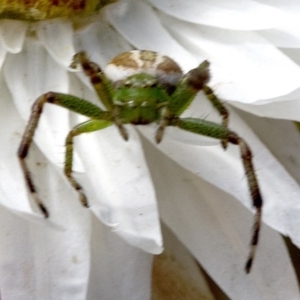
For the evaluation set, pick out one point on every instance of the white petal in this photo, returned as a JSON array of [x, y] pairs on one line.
[[285, 36], [237, 15], [36, 261], [100, 41], [40, 263], [245, 67], [289, 6], [287, 109], [119, 187], [57, 37], [282, 107], [12, 35], [132, 18], [215, 228], [118, 270], [292, 53], [281, 137]]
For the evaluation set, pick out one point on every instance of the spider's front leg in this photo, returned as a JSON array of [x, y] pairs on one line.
[[97, 78], [73, 103], [187, 89], [102, 86], [198, 79], [214, 130]]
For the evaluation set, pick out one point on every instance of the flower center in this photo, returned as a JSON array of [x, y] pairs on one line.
[[36, 10]]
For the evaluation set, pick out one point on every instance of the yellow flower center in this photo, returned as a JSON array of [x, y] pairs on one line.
[[36, 10]]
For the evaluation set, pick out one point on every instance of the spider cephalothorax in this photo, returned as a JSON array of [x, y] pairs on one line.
[[141, 87]]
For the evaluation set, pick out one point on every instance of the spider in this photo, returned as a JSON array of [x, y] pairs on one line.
[[139, 88]]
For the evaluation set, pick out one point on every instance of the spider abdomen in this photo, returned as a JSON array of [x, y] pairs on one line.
[[164, 69]]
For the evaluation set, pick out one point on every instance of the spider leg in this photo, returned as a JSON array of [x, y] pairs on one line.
[[161, 129], [86, 127], [30, 184], [185, 92], [219, 106], [119, 123], [70, 102], [100, 82], [219, 132], [102, 86]]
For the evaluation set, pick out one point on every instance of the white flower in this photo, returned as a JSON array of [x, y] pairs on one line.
[[73, 254]]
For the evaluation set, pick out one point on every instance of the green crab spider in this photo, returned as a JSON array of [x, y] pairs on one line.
[[139, 88]]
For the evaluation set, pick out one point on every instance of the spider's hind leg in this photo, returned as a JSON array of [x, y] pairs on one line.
[[213, 130]]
